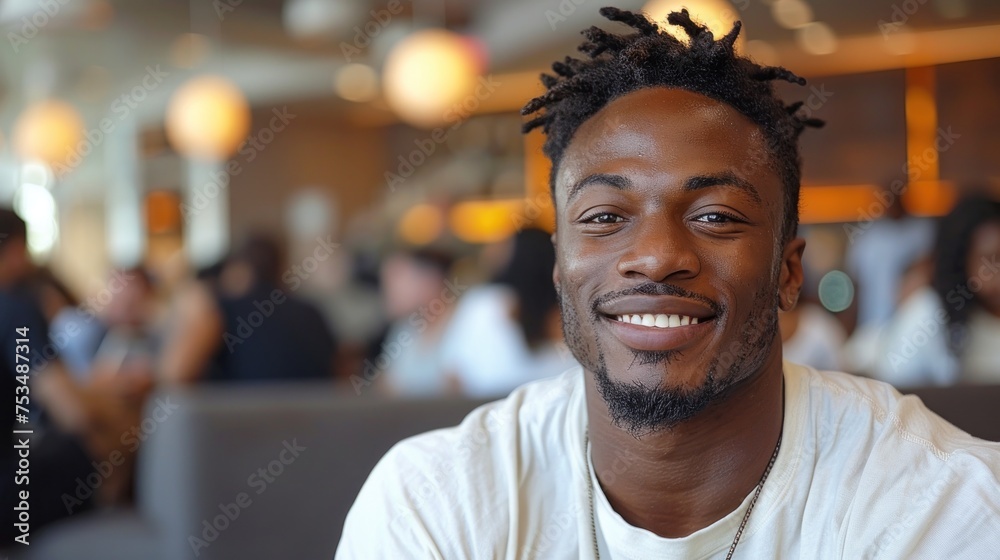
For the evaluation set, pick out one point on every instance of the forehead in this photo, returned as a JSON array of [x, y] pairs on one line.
[[665, 130]]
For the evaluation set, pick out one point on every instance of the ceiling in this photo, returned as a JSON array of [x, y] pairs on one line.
[[91, 51]]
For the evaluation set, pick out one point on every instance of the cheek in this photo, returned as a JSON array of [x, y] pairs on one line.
[[576, 275], [739, 275]]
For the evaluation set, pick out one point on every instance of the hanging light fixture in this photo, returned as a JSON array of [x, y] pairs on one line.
[[48, 131], [718, 15], [208, 118], [428, 74]]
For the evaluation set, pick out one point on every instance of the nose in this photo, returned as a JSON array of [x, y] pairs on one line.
[[661, 249]]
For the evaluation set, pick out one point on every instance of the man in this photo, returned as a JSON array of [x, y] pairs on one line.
[[676, 178], [60, 414], [244, 327]]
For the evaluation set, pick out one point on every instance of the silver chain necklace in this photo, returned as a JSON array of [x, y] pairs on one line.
[[739, 532]]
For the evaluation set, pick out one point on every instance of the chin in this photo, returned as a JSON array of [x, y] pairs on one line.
[[666, 370], [654, 397]]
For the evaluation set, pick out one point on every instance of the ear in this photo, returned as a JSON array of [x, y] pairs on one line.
[[791, 276]]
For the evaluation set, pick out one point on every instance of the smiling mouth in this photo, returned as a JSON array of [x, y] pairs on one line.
[[659, 332], [659, 320]]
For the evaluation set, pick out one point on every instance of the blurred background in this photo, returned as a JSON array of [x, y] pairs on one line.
[[219, 193]]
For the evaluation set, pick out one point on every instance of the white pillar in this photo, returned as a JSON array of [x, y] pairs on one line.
[[124, 206], [206, 213]]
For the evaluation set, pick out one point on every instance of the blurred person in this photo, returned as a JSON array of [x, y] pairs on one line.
[[419, 305], [880, 250], [51, 293], [115, 336], [863, 352], [508, 332], [73, 426], [236, 323], [676, 178], [946, 330], [811, 336]]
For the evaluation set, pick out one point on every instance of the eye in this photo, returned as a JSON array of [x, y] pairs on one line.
[[718, 218], [603, 218]]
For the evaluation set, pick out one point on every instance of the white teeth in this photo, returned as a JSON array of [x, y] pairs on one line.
[[660, 320]]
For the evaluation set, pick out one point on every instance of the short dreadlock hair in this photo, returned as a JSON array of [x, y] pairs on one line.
[[650, 57]]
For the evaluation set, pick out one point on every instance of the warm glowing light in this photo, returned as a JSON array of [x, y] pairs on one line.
[[356, 82], [421, 224], [718, 15], [486, 221], [208, 118], [763, 53], [791, 14], [817, 38], [429, 73], [900, 39], [48, 131], [163, 212]]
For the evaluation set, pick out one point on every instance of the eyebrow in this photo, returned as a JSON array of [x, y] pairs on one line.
[[619, 182], [724, 179], [698, 182]]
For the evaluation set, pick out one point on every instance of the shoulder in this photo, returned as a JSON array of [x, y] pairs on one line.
[[453, 491], [913, 484], [886, 417]]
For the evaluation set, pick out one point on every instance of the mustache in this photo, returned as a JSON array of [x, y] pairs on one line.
[[655, 289]]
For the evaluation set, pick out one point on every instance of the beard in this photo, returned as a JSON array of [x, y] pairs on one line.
[[640, 409]]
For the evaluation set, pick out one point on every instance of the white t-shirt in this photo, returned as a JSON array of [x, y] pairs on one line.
[[863, 472]]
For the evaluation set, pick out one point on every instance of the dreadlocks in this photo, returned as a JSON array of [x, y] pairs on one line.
[[650, 57]]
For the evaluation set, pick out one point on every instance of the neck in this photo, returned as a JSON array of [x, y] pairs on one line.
[[677, 481]]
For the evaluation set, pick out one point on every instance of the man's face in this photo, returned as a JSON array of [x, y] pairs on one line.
[[670, 216], [15, 263]]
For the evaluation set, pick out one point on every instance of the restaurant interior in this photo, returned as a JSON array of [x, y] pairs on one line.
[[272, 238]]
